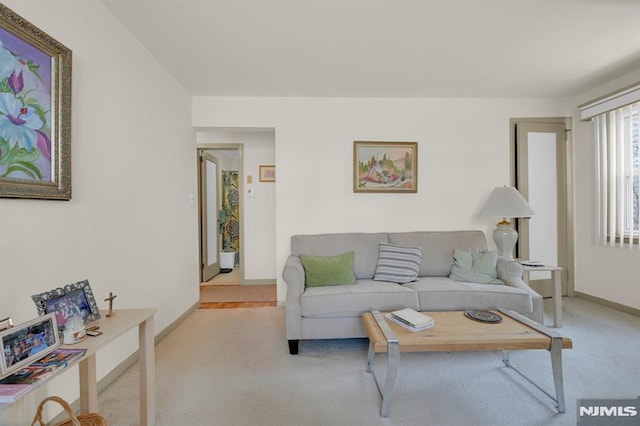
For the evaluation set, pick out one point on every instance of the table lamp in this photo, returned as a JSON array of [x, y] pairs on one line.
[[506, 202]]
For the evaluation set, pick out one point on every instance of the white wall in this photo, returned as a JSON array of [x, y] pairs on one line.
[[129, 228], [463, 154], [259, 211], [605, 272]]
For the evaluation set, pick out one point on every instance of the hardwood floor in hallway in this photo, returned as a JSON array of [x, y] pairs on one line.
[[231, 283]]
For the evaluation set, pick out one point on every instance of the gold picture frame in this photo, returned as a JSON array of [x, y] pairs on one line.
[[267, 173], [386, 167], [35, 117]]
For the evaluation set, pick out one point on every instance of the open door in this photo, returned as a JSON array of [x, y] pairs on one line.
[[541, 178], [210, 242]]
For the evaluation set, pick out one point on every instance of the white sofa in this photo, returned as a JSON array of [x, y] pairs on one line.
[[329, 312]]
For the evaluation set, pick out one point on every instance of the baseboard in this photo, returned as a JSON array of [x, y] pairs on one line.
[[168, 329], [128, 362], [609, 304]]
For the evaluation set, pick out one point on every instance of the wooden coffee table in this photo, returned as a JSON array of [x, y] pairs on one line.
[[454, 332]]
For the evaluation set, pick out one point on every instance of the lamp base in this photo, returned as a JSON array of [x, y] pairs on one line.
[[505, 237]]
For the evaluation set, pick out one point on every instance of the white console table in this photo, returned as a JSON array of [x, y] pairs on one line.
[[113, 327], [556, 274]]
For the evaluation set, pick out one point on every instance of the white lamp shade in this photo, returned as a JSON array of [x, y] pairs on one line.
[[506, 202]]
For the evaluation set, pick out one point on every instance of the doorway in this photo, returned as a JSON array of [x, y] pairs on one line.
[[541, 171], [210, 245], [221, 213]]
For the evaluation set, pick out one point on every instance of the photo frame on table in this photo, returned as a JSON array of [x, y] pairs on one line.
[[390, 167], [6, 323], [28, 342], [73, 299], [35, 112], [267, 173]]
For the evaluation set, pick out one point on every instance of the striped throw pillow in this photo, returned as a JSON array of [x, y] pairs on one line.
[[398, 264]]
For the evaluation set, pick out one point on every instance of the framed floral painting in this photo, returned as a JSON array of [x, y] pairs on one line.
[[35, 112], [385, 167]]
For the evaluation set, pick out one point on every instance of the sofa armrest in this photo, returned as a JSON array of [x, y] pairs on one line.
[[511, 273], [293, 276]]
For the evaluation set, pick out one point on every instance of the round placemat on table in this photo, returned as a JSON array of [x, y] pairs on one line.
[[483, 316]]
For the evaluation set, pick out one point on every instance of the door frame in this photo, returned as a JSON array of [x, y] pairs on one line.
[[222, 147], [568, 179], [207, 270]]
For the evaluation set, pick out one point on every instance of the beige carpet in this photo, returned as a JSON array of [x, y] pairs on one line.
[[236, 371], [238, 293]]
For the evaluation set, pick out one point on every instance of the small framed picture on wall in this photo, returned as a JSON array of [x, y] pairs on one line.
[[267, 173]]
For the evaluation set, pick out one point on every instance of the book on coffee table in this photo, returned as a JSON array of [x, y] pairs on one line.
[[411, 319]]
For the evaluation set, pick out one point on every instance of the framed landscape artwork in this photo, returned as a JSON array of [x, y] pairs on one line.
[[35, 112], [385, 167]]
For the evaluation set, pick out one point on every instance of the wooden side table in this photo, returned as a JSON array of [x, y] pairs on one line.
[[556, 278]]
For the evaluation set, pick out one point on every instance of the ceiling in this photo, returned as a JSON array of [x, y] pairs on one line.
[[388, 48]]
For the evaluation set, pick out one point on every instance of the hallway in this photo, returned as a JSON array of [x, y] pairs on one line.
[[224, 291]]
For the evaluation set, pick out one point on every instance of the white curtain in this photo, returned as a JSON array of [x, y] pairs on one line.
[[616, 139]]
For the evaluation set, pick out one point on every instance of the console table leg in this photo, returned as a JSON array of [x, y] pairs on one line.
[[147, 372], [88, 385], [556, 366]]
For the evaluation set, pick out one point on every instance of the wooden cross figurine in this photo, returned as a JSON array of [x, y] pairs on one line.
[[110, 300]]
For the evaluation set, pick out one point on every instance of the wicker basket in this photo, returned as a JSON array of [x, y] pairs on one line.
[[86, 419]]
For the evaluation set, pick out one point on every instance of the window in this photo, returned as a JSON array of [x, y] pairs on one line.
[[617, 169]]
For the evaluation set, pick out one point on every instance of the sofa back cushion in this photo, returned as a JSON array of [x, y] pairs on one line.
[[438, 247], [365, 246]]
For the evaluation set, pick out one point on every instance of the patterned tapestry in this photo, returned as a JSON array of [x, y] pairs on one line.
[[231, 225]]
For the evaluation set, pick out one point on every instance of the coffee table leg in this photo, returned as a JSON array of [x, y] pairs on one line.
[[393, 360], [556, 366], [370, 358], [505, 358]]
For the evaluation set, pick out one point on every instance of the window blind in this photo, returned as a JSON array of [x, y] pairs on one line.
[[617, 187]]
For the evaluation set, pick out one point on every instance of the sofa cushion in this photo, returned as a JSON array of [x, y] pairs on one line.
[[354, 300], [438, 246], [445, 294], [328, 270], [398, 264], [364, 245], [475, 267]]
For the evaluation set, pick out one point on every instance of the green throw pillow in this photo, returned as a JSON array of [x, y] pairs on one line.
[[331, 270], [475, 267]]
